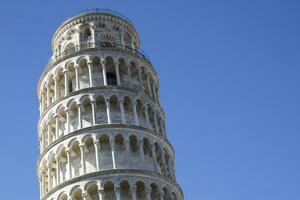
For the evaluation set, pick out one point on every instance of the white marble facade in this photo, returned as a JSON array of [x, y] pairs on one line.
[[102, 131]]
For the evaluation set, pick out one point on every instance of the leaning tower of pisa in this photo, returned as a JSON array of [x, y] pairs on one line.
[[101, 131]]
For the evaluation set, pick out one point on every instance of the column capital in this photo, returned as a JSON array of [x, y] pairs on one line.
[[133, 188], [68, 151], [57, 157], [76, 66], [101, 191], [93, 101], [84, 195], [79, 105], [103, 61], [107, 100]]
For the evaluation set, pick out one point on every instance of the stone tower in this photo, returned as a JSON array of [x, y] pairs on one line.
[[102, 129]]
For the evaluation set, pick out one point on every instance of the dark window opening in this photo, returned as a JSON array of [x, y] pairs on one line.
[[111, 78], [70, 86], [106, 44]]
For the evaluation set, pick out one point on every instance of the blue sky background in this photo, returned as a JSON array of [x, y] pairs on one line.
[[229, 74]]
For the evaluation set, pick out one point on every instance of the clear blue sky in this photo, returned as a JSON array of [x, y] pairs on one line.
[[229, 74]]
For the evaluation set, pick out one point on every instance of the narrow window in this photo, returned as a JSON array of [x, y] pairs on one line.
[[111, 78]]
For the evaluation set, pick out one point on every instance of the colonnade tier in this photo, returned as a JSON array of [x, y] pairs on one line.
[[92, 71], [118, 185], [95, 108], [82, 30], [89, 153]]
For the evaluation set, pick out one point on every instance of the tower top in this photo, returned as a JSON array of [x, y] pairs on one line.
[[94, 18]]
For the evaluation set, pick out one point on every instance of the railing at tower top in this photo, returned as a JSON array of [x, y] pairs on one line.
[[104, 11], [98, 46]]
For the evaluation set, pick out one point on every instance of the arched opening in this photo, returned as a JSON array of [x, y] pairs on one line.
[[154, 192], [86, 35], [151, 117], [77, 194], [87, 116], [166, 195], [109, 191], [52, 131], [115, 112], [141, 113], [63, 160], [110, 72], [51, 86], [168, 164], [61, 84], [134, 76], [125, 190], [75, 159], [158, 154], [97, 72], [129, 116], [174, 196], [71, 77], [69, 48], [83, 71], [74, 121], [63, 197], [101, 114], [134, 150], [92, 192], [140, 191], [105, 155], [123, 73], [62, 122], [90, 161], [144, 80], [147, 151], [120, 152]]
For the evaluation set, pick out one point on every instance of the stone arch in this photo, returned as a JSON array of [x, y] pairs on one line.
[[73, 115], [86, 112], [71, 74], [140, 190], [76, 193], [83, 73], [115, 112], [125, 190], [63, 196], [128, 108], [111, 75], [134, 75], [109, 191], [105, 154], [75, 158], [89, 151], [61, 88], [120, 150], [92, 191], [69, 48], [97, 71], [154, 191], [101, 112]]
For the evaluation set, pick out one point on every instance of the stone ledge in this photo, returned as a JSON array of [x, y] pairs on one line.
[[119, 172]]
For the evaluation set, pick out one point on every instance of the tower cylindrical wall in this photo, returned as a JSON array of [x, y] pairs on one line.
[[102, 131]]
